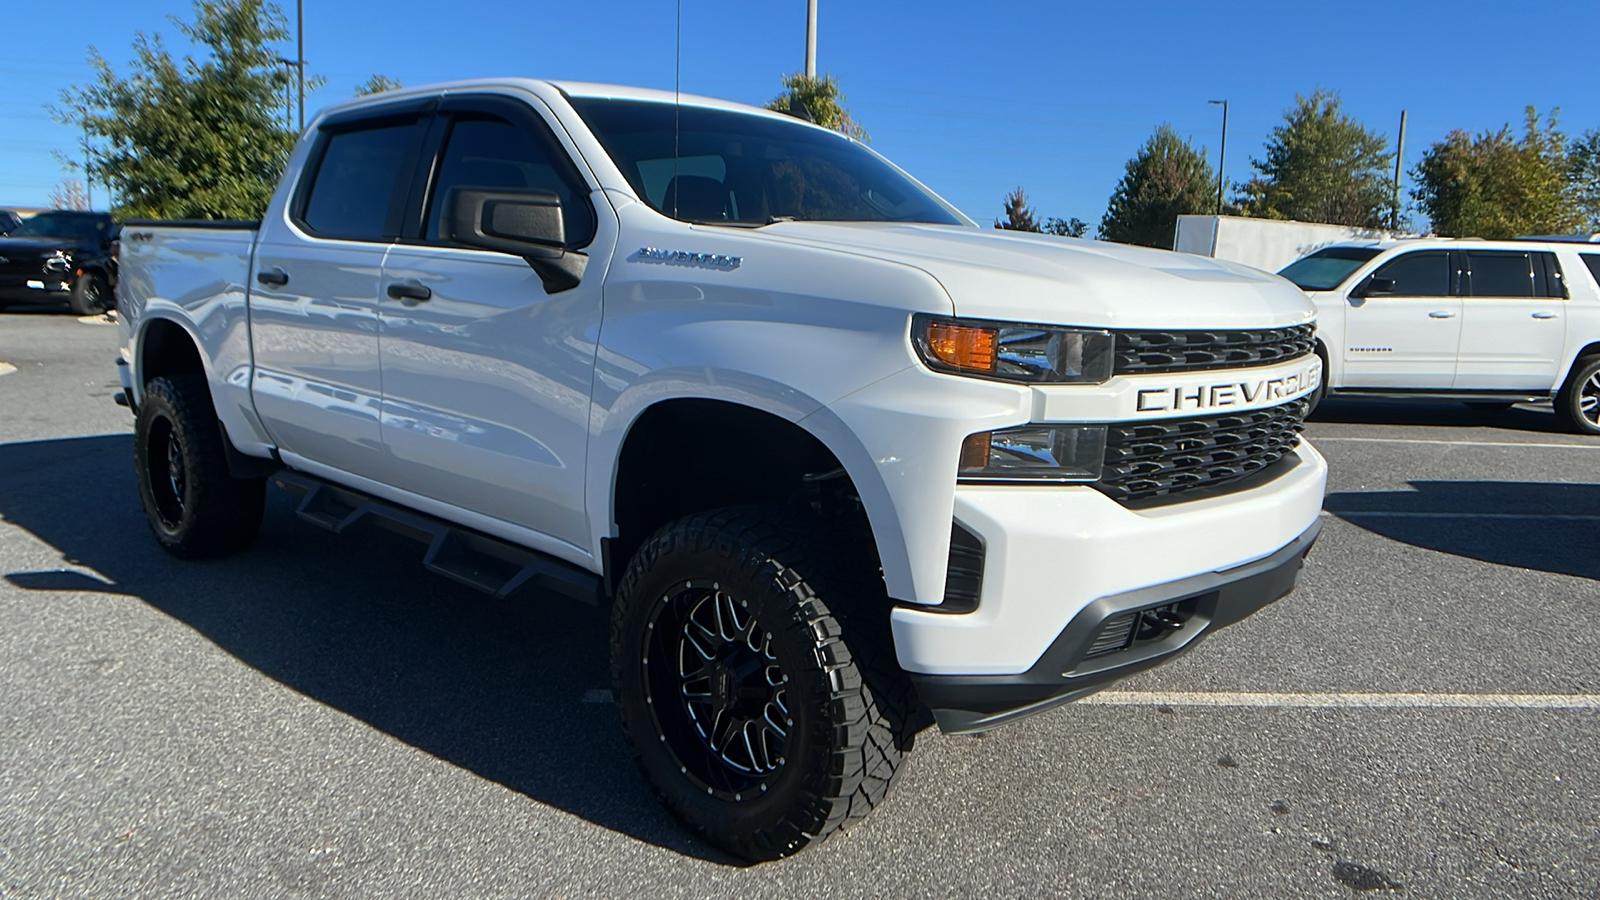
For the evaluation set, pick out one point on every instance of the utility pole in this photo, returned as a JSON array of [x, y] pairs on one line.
[[1222, 153], [811, 39], [88, 177], [1399, 157], [300, 55]]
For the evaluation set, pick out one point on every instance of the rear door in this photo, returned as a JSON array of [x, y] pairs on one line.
[[314, 289], [1513, 321], [1405, 338], [486, 374]]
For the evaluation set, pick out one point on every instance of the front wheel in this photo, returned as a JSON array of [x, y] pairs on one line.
[[1578, 403], [90, 296], [194, 505], [758, 692]]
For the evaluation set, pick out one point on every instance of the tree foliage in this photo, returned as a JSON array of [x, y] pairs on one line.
[[1019, 215], [1321, 166], [69, 194], [193, 138], [377, 84], [822, 98], [1073, 227], [1583, 180], [1166, 179], [1496, 186]]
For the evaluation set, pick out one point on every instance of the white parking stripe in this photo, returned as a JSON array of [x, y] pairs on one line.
[[1356, 514], [1344, 700], [1367, 440]]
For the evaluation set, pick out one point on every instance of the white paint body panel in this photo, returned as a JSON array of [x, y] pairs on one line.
[[536, 393]]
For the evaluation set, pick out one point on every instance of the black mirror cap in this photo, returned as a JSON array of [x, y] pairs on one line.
[[528, 224]]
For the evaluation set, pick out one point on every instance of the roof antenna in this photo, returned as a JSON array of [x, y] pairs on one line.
[[677, 106]]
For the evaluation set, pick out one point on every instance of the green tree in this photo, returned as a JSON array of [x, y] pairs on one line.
[[1166, 179], [1073, 227], [822, 98], [1321, 166], [191, 138], [1496, 186], [1583, 180], [1019, 215], [377, 84]]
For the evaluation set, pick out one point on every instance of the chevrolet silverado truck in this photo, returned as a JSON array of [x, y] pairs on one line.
[[842, 463], [1489, 323]]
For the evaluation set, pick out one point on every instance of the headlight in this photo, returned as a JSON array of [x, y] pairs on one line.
[[60, 261], [1033, 354], [1057, 453]]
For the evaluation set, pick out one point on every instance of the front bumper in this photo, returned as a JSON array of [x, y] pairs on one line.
[[47, 287], [1085, 656]]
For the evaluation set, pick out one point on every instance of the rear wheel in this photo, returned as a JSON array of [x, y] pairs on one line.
[[1578, 403], [90, 296], [754, 680], [194, 505]]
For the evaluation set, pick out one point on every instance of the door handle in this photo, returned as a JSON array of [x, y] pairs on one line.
[[409, 289], [1544, 315], [273, 277], [1441, 314]]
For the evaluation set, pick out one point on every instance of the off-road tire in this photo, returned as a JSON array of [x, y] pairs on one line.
[[852, 711], [194, 505], [1578, 403], [90, 295]]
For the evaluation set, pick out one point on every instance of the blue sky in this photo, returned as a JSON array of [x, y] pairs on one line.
[[972, 98]]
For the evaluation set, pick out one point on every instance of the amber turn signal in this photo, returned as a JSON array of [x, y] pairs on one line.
[[962, 346]]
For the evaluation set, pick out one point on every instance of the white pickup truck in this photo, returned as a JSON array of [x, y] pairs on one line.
[[835, 456], [1490, 323]]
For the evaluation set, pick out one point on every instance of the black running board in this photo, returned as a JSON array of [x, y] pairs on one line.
[[476, 560]]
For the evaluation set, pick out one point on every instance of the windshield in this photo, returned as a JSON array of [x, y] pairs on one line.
[[1326, 269], [71, 226], [731, 168]]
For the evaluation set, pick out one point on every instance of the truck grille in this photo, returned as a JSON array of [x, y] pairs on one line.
[[1147, 352], [1155, 459]]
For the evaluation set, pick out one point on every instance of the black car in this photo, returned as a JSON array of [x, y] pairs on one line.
[[8, 221], [60, 256]]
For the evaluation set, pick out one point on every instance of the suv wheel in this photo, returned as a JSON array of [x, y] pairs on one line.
[[762, 708], [90, 296], [1578, 403], [194, 505]]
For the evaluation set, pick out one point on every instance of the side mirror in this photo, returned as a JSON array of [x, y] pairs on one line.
[[1374, 286], [528, 224]]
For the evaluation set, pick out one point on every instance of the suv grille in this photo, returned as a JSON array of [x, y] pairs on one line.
[[1155, 459], [1145, 352]]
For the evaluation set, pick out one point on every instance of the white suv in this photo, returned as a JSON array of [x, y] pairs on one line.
[[1490, 323]]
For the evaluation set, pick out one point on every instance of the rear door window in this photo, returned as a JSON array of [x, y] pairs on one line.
[[1502, 273], [360, 180], [1425, 273]]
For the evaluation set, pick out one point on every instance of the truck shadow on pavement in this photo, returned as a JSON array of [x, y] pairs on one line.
[[1446, 413], [1552, 527], [515, 692]]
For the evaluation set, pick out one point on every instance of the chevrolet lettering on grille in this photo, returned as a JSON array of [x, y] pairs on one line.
[[1221, 395]]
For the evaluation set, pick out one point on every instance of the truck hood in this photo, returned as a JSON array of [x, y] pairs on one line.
[[1007, 275]]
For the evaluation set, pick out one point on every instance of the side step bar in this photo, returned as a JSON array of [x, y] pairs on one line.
[[475, 560]]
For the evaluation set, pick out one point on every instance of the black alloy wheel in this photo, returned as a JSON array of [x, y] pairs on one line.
[[756, 680], [194, 505], [90, 296]]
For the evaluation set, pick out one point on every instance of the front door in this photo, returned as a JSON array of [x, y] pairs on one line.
[[486, 375], [1404, 338], [1513, 322]]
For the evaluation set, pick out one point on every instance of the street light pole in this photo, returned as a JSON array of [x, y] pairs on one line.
[[811, 39], [300, 55], [88, 175], [1222, 153]]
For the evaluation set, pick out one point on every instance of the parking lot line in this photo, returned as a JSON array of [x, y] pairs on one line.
[[1359, 514], [1534, 444], [1344, 700]]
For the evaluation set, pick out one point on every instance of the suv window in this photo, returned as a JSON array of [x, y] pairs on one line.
[[1425, 273], [493, 154], [1592, 260], [353, 188], [1500, 273]]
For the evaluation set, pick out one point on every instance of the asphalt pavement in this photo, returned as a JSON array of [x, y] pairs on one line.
[[321, 717]]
